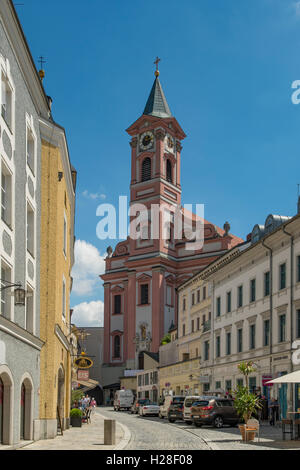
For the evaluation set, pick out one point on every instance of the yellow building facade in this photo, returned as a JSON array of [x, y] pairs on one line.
[[58, 184]]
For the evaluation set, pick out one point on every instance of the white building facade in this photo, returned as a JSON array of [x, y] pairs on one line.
[[256, 311]]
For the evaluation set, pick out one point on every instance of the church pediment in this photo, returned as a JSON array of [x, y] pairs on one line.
[[117, 289], [144, 278]]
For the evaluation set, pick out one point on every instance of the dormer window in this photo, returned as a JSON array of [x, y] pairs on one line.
[[146, 169]]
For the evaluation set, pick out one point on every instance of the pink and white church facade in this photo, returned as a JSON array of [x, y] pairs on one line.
[[141, 276]]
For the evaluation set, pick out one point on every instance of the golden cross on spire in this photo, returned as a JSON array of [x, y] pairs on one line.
[[156, 62]]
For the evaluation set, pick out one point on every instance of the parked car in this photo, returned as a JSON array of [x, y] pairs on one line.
[[123, 399], [215, 411], [188, 402], [148, 409], [137, 403], [172, 408]]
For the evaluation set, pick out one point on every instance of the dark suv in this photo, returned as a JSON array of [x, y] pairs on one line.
[[176, 408], [215, 411]]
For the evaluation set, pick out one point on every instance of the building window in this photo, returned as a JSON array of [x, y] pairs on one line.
[[298, 268], [204, 293], [117, 304], [239, 383], [240, 340], [198, 295], [64, 299], [6, 101], [252, 384], [6, 196], [252, 290], [252, 337], [65, 237], [183, 330], [169, 172], [144, 294], [193, 299], [266, 332], [228, 343], [228, 385], [218, 346], [30, 230], [240, 296], [29, 310], [5, 293], [146, 169], [117, 347], [298, 323], [282, 328], [198, 323], [184, 304], [228, 302], [206, 350], [192, 326], [218, 306], [282, 276], [267, 283], [30, 150], [218, 384]]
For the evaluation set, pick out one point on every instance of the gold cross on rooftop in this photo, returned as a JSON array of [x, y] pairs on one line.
[[156, 62]]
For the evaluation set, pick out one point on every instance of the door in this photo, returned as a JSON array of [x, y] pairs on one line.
[[1, 410], [22, 413]]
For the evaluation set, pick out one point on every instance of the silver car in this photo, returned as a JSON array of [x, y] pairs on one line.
[[149, 409]]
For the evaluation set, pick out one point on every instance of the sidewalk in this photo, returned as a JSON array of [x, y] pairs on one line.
[[270, 438], [88, 437]]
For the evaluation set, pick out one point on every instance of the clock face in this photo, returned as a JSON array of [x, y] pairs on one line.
[[169, 142], [146, 140]]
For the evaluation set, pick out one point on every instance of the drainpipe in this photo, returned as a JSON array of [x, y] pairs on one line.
[[291, 301], [271, 303]]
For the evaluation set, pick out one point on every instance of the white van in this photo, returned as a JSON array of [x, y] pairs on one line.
[[123, 399], [189, 400]]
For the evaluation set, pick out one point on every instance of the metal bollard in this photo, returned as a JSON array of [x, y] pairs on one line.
[[109, 432]]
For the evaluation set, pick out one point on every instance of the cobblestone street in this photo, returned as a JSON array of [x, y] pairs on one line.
[[157, 434], [151, 433]]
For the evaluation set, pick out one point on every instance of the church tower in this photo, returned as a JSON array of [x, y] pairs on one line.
[[143, 272]]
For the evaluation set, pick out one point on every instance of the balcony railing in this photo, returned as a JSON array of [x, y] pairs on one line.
[[206, 326]]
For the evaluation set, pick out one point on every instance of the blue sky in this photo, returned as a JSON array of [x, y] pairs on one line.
[[227, 68]]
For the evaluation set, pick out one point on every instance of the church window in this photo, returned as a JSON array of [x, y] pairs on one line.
[[117, 304], [144, 294], [169, 172], [117, 349], [146, 169]]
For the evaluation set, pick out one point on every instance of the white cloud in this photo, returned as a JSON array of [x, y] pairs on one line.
[[89, 264], [88, 314], [93, 196], [296, 6]]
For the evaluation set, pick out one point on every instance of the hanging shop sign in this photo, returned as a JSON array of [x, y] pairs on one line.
[[83, 374], [83, 362]]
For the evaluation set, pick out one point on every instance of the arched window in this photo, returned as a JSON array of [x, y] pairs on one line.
[[146, 169], [117, 347], [169, 171]]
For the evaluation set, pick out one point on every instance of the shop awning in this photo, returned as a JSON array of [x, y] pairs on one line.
[[292, 378], [88, 384]]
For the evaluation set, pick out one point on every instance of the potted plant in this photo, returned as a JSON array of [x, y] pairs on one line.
[[76, 417], [245, 402]]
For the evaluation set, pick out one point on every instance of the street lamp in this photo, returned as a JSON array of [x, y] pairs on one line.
[[19, 293]]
